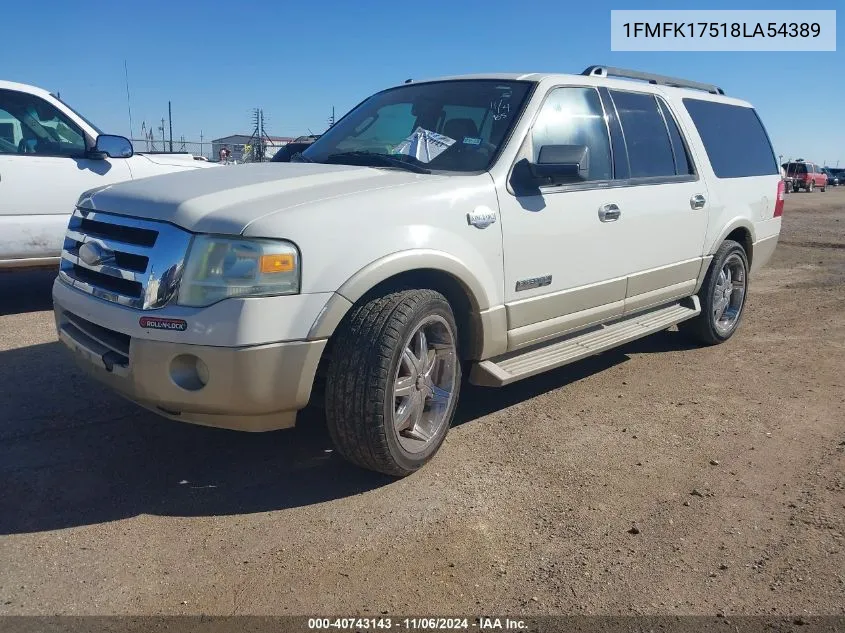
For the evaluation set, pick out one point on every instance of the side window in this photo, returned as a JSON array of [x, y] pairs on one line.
[[646, 137], [574, 116], [734, 138], [10, 133], [683, 162], [30, 125]]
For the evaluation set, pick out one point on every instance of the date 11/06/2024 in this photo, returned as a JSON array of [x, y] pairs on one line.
[[419, 624], [722, 29]]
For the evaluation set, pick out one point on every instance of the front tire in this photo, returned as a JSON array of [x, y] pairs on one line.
[[722, 296], [393, 381]]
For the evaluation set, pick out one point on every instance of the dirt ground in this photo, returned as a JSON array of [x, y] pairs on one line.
[[730, 461]]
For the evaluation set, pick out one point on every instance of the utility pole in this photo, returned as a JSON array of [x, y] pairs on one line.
[[259, 139], [170, 121], [201, 154], [163, 141], [331, 118]]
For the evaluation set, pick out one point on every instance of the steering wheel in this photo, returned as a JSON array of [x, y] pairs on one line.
[[23, 146]]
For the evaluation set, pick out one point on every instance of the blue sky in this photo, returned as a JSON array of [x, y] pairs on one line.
[[216, 61]]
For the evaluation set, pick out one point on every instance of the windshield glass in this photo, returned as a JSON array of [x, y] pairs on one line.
[[76, 112], [448, 125]]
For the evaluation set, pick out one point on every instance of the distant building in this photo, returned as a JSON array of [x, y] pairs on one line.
[[236, 143]]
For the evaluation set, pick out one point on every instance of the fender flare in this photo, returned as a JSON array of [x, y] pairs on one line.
[[389, 266], [736, 223]]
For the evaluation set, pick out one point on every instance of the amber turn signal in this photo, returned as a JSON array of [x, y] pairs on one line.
[[277, 263]]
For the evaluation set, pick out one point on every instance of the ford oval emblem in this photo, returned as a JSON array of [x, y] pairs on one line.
[[93, 254]]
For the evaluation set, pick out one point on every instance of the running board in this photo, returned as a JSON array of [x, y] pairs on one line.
[[507, 368]]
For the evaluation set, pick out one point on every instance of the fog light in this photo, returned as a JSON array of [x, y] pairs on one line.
[[189, 372]]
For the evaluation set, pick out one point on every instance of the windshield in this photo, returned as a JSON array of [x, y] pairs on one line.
[[448, 125], [65, 104]]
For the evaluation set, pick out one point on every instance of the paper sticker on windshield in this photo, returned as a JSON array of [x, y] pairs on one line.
[[424, 145], [471, 140]]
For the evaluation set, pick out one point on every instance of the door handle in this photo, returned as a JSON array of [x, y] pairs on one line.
[[609, 212], [697, 201]]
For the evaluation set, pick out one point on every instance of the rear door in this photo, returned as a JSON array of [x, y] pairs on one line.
[[663, 203], [43, 171]]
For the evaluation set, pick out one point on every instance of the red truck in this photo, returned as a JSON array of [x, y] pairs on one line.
[[801, 174]]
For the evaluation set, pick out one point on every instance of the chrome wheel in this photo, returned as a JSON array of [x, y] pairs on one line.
[[729, 294], [424, 384]]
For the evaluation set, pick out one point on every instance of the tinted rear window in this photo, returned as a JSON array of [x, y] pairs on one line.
[[734, 137], [796, 168]]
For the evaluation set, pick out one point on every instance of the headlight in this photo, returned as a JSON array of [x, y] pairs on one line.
[[218, 268]]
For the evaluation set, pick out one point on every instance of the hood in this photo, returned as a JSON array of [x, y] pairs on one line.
[[228, 199]]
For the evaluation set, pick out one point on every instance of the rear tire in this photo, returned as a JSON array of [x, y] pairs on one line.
[[722, 297], [393, 382]]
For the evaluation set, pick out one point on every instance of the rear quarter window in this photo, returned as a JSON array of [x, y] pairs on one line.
[[734, 138]]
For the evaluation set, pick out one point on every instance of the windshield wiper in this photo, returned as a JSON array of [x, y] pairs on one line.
[[299, 157], [383, 159]]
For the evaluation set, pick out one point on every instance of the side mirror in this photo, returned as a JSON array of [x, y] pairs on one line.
[[110, 146], [561, 164]]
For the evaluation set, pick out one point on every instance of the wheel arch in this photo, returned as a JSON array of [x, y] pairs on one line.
[[740, 230], [416, 269]]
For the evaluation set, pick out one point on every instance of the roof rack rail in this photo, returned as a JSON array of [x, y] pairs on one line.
[[610, 71]]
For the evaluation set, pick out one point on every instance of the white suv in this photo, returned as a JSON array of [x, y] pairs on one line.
[[496, 225], [49, 155]]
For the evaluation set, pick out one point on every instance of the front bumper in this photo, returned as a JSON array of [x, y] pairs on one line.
[[253, 388]]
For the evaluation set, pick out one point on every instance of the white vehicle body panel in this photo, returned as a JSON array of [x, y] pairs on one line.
[[37, 193]]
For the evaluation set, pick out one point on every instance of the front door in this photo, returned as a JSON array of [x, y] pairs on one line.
[[565, 260]]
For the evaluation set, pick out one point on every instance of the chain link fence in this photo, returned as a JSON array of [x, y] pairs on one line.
[[239, 152]]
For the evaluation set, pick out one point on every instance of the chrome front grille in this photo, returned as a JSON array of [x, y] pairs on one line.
[[133, 262]]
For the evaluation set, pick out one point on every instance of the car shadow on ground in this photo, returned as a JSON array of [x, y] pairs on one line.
[[73, 453], [477, 402], [23, 291]]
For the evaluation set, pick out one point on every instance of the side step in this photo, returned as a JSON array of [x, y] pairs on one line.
[[513, 366]]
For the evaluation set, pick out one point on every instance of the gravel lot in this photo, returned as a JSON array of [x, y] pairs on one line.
[[730, 462]]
